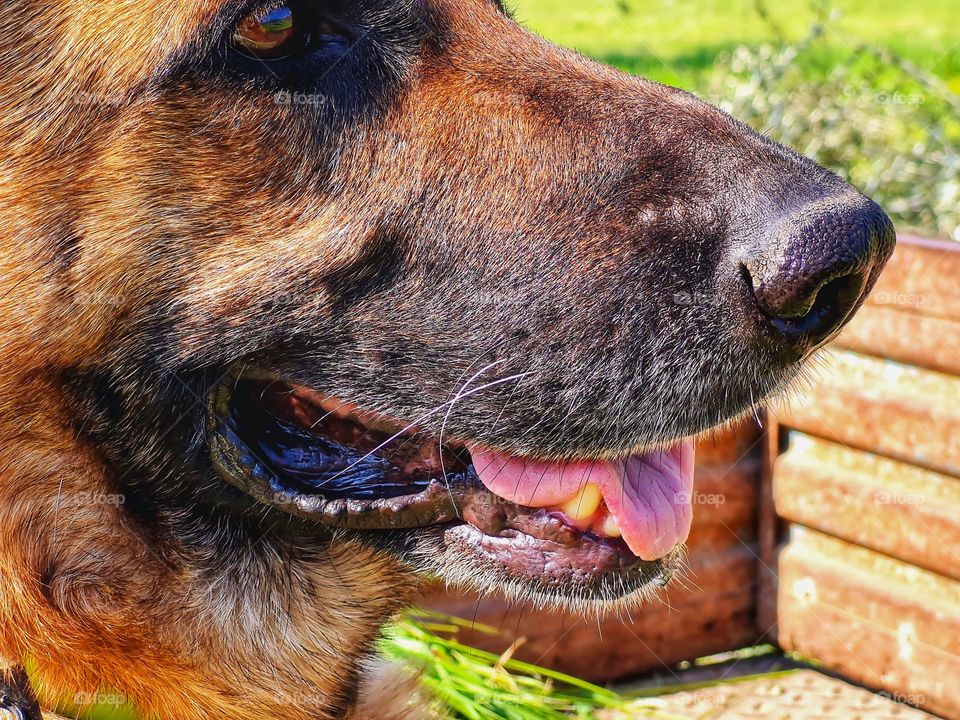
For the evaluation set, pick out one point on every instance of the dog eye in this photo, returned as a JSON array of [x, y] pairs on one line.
[[279, 30], [266, 31]]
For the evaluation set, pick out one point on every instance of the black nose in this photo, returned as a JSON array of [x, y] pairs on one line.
[[816, 266]]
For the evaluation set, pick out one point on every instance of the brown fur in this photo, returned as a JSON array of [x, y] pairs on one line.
[[162, 220], [85, 596]]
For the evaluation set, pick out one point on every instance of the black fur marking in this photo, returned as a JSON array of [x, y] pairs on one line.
[[64, 248], [47, 576], [379, 264]]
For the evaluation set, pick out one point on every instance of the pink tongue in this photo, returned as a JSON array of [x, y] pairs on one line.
[[649, 495]]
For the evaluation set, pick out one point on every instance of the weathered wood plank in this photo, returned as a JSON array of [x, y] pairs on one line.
[[768, 527], [929, 342], [725, 503], [873, 590], [731, 444], [872, 618], [894, 508], [921, 278], [725, 488], [904, 412]]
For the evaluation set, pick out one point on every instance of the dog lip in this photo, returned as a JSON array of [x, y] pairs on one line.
[[243, 463], [558, 569], [491, 524]]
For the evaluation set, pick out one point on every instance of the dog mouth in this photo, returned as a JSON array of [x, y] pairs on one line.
[[325, 460]]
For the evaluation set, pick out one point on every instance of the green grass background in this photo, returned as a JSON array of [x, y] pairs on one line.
[[678, 41]]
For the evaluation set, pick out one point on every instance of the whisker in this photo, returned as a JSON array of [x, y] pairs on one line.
[[328, 414], [446, 417], [426, 415]]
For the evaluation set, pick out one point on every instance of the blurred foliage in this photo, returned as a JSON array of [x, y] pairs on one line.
[[870, 115], [838, 80], [679, 41]]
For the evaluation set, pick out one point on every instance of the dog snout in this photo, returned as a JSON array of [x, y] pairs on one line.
[[816, 267]]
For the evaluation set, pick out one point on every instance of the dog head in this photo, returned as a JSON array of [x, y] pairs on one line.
[[403, 274]]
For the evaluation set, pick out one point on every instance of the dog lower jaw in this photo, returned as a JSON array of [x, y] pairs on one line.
[[556, 553], [465, 558]]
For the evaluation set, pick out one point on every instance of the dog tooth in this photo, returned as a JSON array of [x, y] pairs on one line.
[[610, 528], [584, 504]]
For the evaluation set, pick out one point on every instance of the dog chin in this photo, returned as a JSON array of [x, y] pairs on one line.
[[545, 577]]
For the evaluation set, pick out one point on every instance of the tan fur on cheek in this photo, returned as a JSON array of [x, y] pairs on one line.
[[94, 607]]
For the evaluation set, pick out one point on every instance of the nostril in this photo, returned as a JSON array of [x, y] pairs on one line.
[[812, 312], [810, 272], [833, 297], [830, 307]]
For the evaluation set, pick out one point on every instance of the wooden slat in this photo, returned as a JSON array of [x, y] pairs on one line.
[[730, 445], [874, 619], [903, 412], [887, 332], [725, 489], [768, 526], [725, 501], [900, 510], [921, 278], [867, 582], [710, 611]]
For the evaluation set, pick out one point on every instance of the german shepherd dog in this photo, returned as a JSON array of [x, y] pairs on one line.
[[303, 300]]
